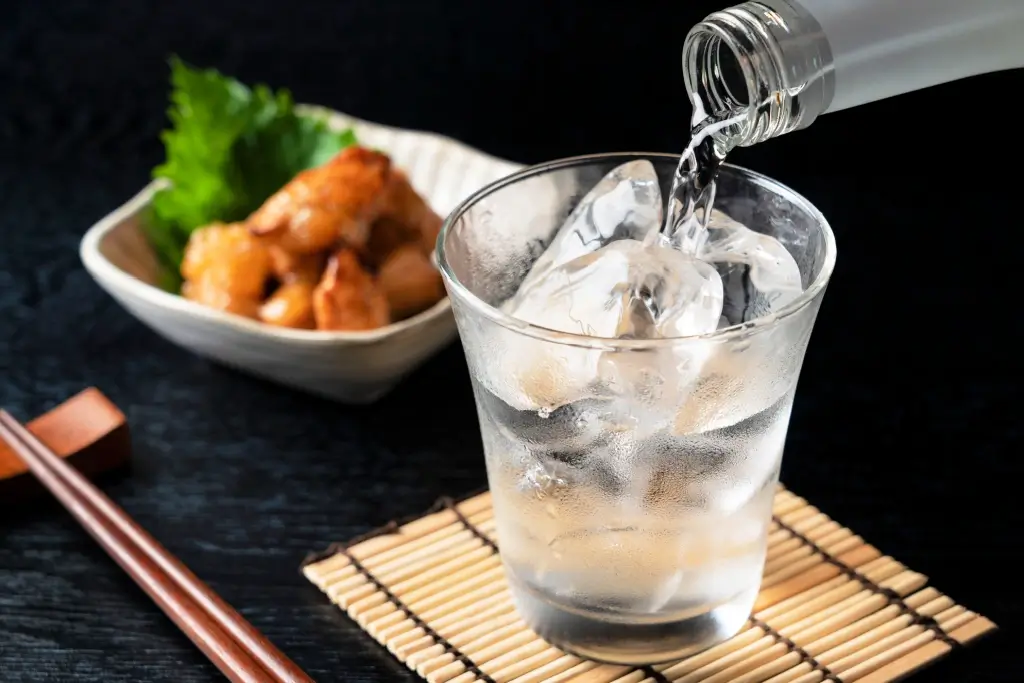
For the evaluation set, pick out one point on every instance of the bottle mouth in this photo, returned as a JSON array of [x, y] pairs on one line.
[[738, 112], [768, 68], [734, 82], [719, 82]]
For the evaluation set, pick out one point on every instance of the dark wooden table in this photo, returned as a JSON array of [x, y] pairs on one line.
[[902, 427]]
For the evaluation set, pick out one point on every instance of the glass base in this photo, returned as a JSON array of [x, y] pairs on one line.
[[592, 635]]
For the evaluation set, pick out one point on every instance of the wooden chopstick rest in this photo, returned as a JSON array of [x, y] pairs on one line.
[[87, 430]]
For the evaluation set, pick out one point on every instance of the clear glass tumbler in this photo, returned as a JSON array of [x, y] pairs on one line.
[[632, 480]]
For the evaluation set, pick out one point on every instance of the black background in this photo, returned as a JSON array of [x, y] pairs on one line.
[[903, 426]]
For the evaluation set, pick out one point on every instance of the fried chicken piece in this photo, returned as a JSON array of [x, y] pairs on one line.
[[226, 257], [209, 291], [288, 267], [406, 207], [225, 268], [348, 298], [410, 282], [291, 305], [322, 206]]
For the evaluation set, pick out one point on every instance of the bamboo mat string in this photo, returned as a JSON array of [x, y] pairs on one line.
[[804, 655], [449, 504], [653, 674], [889, 594], [414, 618]]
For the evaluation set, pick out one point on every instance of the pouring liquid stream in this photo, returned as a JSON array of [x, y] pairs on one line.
[[693, 186]]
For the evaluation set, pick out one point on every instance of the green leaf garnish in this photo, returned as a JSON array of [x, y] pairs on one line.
[[228, 149]]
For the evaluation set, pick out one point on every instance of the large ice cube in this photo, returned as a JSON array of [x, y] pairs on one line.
[[626, 203], [626, 289]]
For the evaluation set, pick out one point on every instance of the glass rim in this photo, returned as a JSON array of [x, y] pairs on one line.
[[496, 315]]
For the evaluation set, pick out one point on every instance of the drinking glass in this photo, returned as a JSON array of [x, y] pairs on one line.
[[632, 480]]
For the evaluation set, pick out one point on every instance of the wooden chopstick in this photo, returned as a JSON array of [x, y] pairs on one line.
[[241, 652]]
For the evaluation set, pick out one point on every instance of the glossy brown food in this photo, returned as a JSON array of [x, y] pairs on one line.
[[348, 298], [291, 305], [335, 202], [208, 291], [344, 246], [409, 281], [227, 257], [225, 268], [288, 267]]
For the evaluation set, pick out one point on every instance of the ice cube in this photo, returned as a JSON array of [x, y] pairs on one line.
[[691, 296], [626, 290], [591, 295], [742, 253], [566, 433], [545, 480], [626, 203]]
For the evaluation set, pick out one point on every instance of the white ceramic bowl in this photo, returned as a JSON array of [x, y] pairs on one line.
[[352, 367]]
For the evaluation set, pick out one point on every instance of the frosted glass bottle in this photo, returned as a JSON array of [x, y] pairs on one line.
[[780, 64]]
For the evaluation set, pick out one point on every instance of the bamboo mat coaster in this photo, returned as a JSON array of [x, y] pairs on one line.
[[831, 607]]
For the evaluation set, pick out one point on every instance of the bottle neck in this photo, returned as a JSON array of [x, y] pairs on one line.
[[766, 65]]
